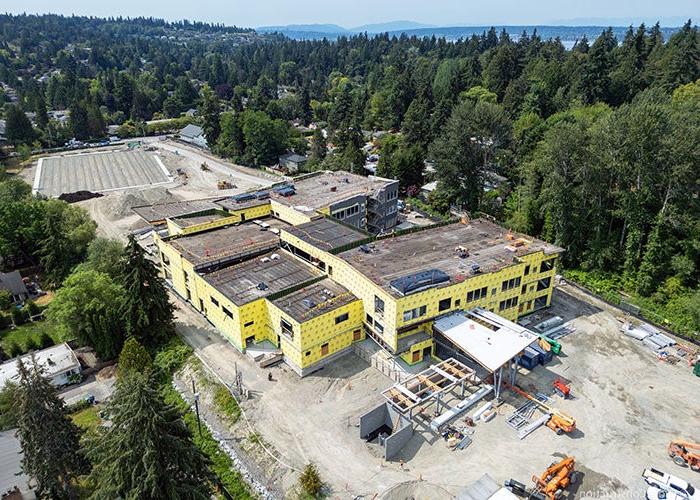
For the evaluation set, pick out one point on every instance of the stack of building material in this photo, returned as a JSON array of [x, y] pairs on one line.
[[545, 356], [658, 341], [530, 358]]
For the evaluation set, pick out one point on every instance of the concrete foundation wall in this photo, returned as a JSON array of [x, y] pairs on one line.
[[395, 443], [385, 415], [373, 419]]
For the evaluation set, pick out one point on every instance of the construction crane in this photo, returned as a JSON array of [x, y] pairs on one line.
[[685, 453], [559, 422], [552, 483]]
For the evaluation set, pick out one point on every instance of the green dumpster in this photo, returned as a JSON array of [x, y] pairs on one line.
[[556, 346]]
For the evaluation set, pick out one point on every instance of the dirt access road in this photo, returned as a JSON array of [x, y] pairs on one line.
[[627, 405]]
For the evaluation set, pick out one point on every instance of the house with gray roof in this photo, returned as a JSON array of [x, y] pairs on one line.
[[194, 134], [12, 282]]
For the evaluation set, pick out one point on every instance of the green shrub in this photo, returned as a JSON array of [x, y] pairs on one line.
[[5, 321], [77, 406], [310, 481], [19, 317], [31, 308], [45, 340], [32, 344], [226, 403], [5, 299], [15, 350], [172, 356]]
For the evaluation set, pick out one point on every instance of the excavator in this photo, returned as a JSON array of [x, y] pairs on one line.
[[685, 453], [552, 483], [559, 422]]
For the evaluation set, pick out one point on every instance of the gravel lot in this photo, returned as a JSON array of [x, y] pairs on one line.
[[99, 172], [627, 405]]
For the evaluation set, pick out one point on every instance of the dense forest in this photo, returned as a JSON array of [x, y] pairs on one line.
[[598, 144]]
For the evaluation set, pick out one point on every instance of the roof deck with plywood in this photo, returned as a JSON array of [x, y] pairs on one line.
[[314, 300]]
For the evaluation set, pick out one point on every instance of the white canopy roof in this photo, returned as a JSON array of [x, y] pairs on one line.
[[485, 337]]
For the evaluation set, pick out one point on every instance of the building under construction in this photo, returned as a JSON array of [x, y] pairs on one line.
[[297, 271]]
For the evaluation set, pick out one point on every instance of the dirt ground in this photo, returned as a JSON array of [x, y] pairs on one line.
[[113, 213], [627, 405]]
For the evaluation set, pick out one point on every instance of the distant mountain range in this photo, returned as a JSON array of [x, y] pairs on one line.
[[567, 34], [339, 30]]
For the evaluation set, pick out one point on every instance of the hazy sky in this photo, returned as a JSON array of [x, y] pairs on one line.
[[350, 13]]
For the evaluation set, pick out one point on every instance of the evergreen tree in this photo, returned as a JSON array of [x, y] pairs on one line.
[[416, 123], [49, 440], [53, 250], [18, 128], [78, 121], [147, 311], [209, 110], [134, 358], [319, 147], [147, 452], [231, 143]]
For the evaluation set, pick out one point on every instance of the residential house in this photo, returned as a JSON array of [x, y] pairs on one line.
[[194, 134], [12, 282]]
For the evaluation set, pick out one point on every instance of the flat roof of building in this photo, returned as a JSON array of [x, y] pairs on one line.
[[231, 204], [326, 234], [54, 360], [161, 211], [314, 300], [229, 243], [195, 220], [317, 191], [438, 248], [260, 277], [487, 338]]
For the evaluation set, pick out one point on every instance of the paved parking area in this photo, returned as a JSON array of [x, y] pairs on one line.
[[100, 171]]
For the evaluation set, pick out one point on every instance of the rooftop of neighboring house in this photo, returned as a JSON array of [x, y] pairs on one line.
[[229, 243], [261, 277], [326, 234], [456, 251], [12, 282], [314, 300], [192, 131], [54, 360], [320, 190], [293, 157]]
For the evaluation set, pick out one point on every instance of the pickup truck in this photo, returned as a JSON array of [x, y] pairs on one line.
[[664, 486]]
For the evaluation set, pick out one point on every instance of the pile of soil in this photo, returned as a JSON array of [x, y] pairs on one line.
[[79, 196]]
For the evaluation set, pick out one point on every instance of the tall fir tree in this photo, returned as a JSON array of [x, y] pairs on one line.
[[210, 111], [147, 311], [50, 441], [18, 128], [147, 452]]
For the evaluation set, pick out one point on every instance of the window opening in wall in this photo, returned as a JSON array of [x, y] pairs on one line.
[[444, 304], [324, 349], [286, 327], [341, 318]]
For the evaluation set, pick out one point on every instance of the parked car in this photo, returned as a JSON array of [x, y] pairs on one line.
[[663, 486]]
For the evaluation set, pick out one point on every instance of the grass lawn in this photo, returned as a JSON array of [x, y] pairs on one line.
[[88, 418], [23, 333]]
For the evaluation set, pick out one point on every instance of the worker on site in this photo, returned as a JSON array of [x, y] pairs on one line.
[[269, 376]]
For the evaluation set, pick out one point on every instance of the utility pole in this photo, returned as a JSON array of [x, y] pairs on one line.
[[196, 407]]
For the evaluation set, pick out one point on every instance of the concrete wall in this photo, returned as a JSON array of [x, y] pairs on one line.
[[384, 414]]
